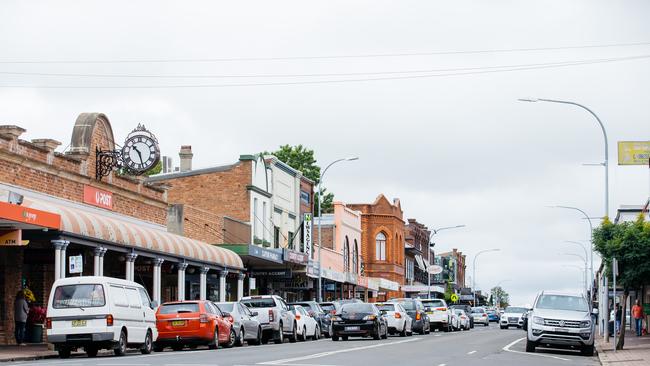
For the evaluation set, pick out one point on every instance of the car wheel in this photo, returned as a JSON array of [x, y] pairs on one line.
[[303, 337], [403, 332], [587, 350], [279, 337], [294, 335], [335, 338], [345, 338], [215, 340], [240, 339], [120, 350], [502, 327], [232, 338], [316, 333], [91, 351], [147, 346], [486, 324], [445, 328], [377, 333], [258, 340], [64, 352], [530, 346], [385, 332], [158, 348]]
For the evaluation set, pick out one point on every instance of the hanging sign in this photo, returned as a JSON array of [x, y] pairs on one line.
[[307, 231], [75, 264]]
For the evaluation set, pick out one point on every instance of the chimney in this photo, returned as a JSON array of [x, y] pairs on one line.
[[186, 158], [167, 164]]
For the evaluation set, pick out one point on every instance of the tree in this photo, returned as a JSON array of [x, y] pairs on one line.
[[302, 158], [498, 294], [629, 243], [448, 292], [155, 170]]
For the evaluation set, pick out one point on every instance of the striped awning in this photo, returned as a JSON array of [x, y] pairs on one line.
[[126, 231]]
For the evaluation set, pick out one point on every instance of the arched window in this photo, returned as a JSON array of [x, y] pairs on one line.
[[355, 257], [380, 247], [346, 254]]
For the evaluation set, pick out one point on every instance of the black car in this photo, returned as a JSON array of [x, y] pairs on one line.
[[323, 317], [415, 309], [359, 320], [331, 307], [468, 311]]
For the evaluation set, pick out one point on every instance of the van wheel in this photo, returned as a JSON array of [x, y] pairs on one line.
[[64, 352], [91, 351], [215, 340], [120, 350], [147, 346]]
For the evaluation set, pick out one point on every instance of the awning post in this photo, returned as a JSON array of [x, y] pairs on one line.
[[130, 266], [59, 253], [203, 282], [240, 286], [222, 285], [181, 281], [157, 263]]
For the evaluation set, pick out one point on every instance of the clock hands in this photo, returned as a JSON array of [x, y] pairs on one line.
[[139, 154]]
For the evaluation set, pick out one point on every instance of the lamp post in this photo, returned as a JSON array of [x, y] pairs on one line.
[[584, 259], [474, 270], [602, 128], [320, 237], [434, 232], [584, 276]]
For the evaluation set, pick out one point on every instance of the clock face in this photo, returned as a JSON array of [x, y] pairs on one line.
[[140, 153]]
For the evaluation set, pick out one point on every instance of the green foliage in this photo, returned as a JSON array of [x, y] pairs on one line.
[[448, 292], [499, 293], [155, 170]]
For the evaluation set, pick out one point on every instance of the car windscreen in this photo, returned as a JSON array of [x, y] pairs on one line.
[[328, 307], [259, 303], [513, 309], [562, 302], [79, 296], [386, 307], [225, 306], [478, 310], [306, 306], [491, 312], [178, 308], [433, 304], [459, 312], [357, 308]]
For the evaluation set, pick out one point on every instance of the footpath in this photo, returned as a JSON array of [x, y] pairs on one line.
[[636, 351]]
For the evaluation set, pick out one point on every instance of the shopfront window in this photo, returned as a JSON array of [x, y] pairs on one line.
[[380, 247]]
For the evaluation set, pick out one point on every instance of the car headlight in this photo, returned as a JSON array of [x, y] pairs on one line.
[[370, 317], [538, 320], [336, 318], [585, 324]]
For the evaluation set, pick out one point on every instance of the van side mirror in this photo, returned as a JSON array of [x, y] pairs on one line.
[[154, 304]]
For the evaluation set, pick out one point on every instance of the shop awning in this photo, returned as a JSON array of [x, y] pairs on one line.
[[126, 231], [383, 284]]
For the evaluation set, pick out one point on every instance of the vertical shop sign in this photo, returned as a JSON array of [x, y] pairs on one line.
[[307, 239]]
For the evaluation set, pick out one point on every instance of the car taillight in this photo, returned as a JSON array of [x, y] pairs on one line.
[[297, 316], [48, 323], [484, 314], [230, 319], [441, 309], [203, 318], [109, 320], [418, 316], [332, 312], [271, 316], [398, 315]]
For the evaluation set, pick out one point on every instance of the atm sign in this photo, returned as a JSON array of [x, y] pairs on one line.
[[98, 197]]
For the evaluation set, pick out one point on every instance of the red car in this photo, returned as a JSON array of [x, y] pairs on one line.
[[192, 323]]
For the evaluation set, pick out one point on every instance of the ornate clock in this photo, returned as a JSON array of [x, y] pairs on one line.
[[141, 151]]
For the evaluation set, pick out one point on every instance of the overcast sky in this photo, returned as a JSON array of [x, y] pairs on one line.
[[456, 149]]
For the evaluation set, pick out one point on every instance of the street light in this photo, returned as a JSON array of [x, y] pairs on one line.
[[320, 237], [434, 232], [584, 260], [474, 270], [584, 277], [602, 127]]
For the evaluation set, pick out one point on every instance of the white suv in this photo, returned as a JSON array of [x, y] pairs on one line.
[[560, 320], [439, 314], [274, 316]]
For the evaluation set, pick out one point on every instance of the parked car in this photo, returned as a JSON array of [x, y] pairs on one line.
[[331, 307], [512, 317], [307, 326], [439, 314], [415, 310], [323, 317], [243, 320], [192, 323], [359, 320], [468, 310], [463, 319], [100, 313], [454, 322], [480, 316], [560, 320], [399, 322], [275, 318], [492, 315], [349, 301]]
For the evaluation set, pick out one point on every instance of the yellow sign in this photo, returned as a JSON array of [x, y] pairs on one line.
[[633, 152], [454, 297], [11, 238]]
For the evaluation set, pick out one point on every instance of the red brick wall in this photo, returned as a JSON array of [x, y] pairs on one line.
[[328, 236], [202, 225]]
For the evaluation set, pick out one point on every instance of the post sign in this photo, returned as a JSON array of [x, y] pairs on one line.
[[97, 197], [454, 298], [633, 152], [307, 230], [75, 263]]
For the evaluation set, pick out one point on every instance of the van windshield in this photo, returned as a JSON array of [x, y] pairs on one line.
[[79, 296]]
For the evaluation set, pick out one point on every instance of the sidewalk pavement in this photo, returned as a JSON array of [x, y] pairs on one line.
[[636, 351], [25, 353]]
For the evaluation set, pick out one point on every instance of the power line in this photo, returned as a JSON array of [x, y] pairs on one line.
[[541, 66], [325, 57]]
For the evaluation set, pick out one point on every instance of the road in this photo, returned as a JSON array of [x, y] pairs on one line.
[[479, 346]]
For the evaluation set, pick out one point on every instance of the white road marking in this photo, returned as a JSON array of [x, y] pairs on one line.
[[471, 352], [329, 353], [507, 349], [443, 364]]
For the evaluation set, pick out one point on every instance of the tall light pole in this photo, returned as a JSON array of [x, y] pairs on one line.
[[474, 270], [584, 259], [320, 237], [584, 275], [434, 232], [602, 128]]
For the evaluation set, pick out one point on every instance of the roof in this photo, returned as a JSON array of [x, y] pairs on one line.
[[326, 220], [174, 175]]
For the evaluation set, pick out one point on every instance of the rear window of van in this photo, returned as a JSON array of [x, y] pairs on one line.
[[79, 296], [187, 307], [265, 302]]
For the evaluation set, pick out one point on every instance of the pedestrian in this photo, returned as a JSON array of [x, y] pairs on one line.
[[21, 309], [637, 314], [618, 313]]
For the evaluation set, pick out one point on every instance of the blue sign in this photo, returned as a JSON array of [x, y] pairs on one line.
[[269, 255]]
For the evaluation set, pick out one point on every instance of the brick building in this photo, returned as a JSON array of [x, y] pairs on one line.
[[54, 208], [453, 269], [382, 244], [417, 259]]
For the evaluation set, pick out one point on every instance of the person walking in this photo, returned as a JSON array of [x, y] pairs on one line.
[[637, 314], [617, 314], [21, 309]]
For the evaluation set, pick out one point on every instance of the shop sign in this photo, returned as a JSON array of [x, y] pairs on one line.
[[98, 197], [28, 215], [307, 231], [295, 257], [334, 275], [270, 255], [251, 283], [11, 238], [466, 297], [278, 273], [75, 264], [312, 269], [298, 283], [633, 152]]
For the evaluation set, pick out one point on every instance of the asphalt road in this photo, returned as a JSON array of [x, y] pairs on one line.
[[479, 346]]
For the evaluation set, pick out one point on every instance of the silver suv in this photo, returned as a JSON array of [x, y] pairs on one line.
[[560, 320]]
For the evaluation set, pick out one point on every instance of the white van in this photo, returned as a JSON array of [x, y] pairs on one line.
[[100, 313]]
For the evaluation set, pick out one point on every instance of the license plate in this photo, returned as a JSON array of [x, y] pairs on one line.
[[349, 329], [178, 323], [561, 329], [78, 323], [430, 312]]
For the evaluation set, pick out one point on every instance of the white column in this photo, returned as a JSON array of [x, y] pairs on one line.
[[181, 281], [63, 260], [203, 283], [58, 245], [130, 266], [222, 285], [101, 261], [240, 286], [97, 260], [157, 262]]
